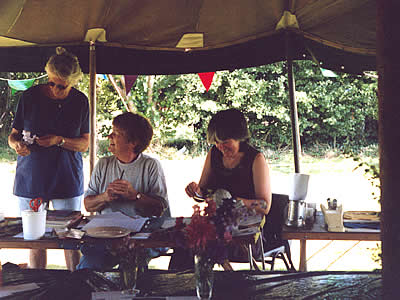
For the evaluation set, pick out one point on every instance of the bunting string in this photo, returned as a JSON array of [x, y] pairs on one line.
[[7, 79], [21, 84]]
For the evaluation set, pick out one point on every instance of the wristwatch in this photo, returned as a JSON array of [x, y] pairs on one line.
[[61, 143], [138, 196]]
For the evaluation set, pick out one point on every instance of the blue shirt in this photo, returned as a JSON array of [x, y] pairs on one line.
[[53, 172]]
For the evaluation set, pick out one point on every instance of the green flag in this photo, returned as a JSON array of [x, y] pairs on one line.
[[20, 85], [328, 73]]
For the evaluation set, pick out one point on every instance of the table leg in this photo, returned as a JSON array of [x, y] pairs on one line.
[[303, 256], [227, 265], [250, 254]]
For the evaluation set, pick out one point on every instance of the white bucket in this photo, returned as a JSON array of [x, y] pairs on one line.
[[33, 224]]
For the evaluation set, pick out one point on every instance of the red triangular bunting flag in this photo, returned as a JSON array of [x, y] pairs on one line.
[[206, 79], [129, 82]]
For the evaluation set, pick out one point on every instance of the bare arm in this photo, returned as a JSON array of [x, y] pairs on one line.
[[262, 186], [15, 142], [95, 203], [123, 189], [79, 144], [193, 187]]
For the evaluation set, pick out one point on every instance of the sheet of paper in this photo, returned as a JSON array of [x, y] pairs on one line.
[[141, 235], [246, 231], [361, 230], [117, 219], [11, 289], [250, 221], [170, 222]]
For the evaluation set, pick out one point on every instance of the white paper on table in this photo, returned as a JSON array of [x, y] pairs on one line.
[[117, 219], [362, 230], [298, 186], [246, 231], [11, 289], [170, 222], [141, 235]]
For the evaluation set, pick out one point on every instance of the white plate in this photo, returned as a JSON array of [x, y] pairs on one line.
[[107, 232]]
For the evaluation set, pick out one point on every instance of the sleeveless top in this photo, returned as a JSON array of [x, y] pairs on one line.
[[239, 180]]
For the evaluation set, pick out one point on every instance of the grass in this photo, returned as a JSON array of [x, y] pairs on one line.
[[321, 162]]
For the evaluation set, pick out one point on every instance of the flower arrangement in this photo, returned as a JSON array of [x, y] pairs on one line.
[[210, 230]]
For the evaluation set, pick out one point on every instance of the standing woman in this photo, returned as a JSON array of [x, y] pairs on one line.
[[50, 130]]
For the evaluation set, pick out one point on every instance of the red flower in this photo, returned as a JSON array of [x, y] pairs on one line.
[[179, 223], [211, 208], [209, 231]]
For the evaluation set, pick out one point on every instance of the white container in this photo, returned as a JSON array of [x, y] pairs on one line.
[[33, 224], [298, 186]]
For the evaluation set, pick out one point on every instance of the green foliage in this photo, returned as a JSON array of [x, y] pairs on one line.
[[338, 112], [8, 102], [6, 153]]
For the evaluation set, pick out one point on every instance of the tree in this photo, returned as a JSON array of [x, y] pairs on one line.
[[337, 111]]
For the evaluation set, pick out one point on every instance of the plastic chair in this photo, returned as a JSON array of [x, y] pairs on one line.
[[273, 244]]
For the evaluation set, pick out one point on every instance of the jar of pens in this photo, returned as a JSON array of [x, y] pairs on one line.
[[34, 220]]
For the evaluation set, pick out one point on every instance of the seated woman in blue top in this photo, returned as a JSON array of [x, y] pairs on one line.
[[232, 164]]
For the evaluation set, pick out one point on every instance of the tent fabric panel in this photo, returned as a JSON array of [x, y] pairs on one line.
[[161, 24], [349, 23], [9, 12], [54, 22]]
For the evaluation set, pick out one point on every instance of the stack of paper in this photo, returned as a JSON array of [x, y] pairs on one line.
[[61, 218], [117, 219]]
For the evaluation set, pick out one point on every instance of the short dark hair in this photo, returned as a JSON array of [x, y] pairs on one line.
[[227, 124], [137, 129]]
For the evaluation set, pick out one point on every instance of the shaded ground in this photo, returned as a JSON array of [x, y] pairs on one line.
[[349, 187]]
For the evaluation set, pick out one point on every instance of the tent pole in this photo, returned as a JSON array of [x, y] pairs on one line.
[[293, 108], [388, 66], [92, 102]]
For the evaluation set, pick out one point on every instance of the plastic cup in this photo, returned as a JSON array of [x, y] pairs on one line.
[[33, 224]]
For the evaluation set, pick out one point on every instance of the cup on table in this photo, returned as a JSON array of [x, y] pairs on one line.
[[33, 224], [312, 205], [310, 218]]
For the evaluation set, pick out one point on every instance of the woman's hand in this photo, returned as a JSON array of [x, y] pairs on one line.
[[193, 189], [22, 149], [259, 206], [121, 189], [48, 140]]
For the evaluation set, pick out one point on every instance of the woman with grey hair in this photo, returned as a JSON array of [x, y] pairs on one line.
[[49, 132]]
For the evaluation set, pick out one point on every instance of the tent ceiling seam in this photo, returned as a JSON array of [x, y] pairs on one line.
[[16, 18], [198, 18]]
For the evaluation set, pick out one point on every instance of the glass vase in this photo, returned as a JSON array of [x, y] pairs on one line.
[[128, 274], [204, 275]]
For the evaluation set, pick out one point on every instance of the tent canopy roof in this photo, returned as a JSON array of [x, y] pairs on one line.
[[141, 37]]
